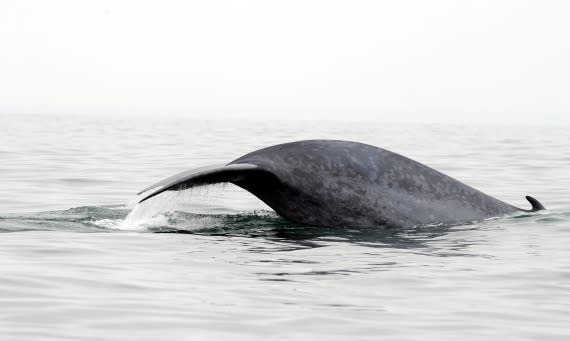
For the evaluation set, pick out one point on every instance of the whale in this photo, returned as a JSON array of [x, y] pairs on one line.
[[334, 183]]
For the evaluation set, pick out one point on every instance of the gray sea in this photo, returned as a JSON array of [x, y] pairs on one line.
[[80, 261]]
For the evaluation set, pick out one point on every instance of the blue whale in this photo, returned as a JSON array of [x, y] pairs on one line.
[[347, 184]]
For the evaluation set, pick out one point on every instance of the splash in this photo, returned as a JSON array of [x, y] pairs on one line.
[[204, 208], [198, 208]]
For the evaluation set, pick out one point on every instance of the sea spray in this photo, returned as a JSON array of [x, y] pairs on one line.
[[182, 210]]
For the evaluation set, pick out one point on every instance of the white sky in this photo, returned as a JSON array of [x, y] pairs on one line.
[[429, 61]]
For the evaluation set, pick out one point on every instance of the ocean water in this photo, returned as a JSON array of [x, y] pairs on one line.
[[80, 261]]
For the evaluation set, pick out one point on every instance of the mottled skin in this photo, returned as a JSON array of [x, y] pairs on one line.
[[348, 184]]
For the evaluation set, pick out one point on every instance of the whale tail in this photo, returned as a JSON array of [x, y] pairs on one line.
[[201, 176], [536, 205]]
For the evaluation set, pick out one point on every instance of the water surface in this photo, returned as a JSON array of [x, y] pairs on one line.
[[215, 263]]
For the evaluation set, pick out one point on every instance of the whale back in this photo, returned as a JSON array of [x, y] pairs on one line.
[[346, 184], [334, 183]]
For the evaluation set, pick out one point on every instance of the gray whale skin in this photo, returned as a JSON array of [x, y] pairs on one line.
[[334, 183]]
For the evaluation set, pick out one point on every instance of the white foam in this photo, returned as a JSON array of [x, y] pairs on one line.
[[166, 209]]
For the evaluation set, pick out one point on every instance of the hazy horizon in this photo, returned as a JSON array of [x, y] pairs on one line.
[[411, 61]]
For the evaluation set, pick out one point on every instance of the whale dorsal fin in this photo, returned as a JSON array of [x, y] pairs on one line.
[[536, 206]]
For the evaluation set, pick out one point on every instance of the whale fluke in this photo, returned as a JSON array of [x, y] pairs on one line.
[[199, 177]]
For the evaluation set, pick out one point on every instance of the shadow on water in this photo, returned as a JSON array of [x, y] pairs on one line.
[[257, 224], [260, 224], [268, 225]]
